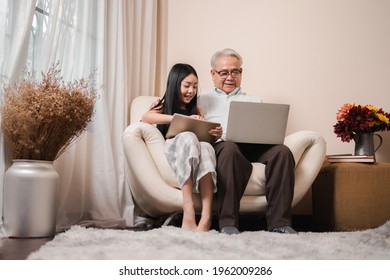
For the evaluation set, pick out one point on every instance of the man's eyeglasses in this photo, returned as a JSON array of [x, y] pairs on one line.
[[235, 73]]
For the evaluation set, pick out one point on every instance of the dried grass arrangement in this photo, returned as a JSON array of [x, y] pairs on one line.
[[40, 120]]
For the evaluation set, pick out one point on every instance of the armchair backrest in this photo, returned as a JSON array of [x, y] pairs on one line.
[[139, 106]]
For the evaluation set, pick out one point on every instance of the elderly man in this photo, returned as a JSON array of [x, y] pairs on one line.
[[234, 159]]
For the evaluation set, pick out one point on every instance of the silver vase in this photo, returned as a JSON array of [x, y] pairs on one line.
[[364, 144], [30, 199]]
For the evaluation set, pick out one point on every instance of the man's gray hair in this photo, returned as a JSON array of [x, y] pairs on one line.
[[225, 52]]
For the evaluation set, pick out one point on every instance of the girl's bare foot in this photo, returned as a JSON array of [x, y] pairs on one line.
[[189, 221], [188, 224], [204, 224]]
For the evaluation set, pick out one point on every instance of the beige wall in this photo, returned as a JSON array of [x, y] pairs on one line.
[[315, 55]]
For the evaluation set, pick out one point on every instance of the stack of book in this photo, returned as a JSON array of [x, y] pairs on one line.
[[350, 158]]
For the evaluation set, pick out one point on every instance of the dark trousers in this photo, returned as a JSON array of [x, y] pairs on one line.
[[234, 169]]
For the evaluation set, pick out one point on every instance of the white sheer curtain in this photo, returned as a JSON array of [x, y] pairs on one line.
[[117, 40], [15, 29]]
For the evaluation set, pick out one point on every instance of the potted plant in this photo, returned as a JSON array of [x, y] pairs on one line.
[[360, 122], [40, 120]]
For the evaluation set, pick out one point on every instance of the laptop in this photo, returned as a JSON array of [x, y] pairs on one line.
[[257, 123]]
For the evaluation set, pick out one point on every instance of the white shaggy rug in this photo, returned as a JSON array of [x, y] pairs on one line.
[[172, 243]]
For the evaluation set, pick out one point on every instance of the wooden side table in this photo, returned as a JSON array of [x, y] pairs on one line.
[[351, 196]]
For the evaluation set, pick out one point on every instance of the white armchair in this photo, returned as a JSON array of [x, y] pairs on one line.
[[154, 188]]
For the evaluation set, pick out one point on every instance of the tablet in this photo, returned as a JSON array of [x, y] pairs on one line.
[[181, 123]]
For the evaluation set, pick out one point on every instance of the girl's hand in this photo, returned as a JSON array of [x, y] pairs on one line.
[[154, 104], [197, 117], [217, 132]]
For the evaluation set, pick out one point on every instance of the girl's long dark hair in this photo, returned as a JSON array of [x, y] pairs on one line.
[[170, 102]]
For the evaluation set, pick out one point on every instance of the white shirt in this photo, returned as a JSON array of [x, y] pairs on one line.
[[215, 105]]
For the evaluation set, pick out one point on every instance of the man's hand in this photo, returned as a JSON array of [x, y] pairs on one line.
[[217, 132]]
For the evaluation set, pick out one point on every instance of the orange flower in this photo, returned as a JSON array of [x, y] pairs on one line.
[[343, 112]]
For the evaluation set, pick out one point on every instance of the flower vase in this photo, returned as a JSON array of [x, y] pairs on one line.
[[30, 199], [364, 143]]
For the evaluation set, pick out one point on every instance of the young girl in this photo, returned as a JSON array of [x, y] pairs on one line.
[[192, 161]]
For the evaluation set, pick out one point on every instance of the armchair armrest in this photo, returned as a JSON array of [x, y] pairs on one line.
[[150, 175], [309, 149]]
